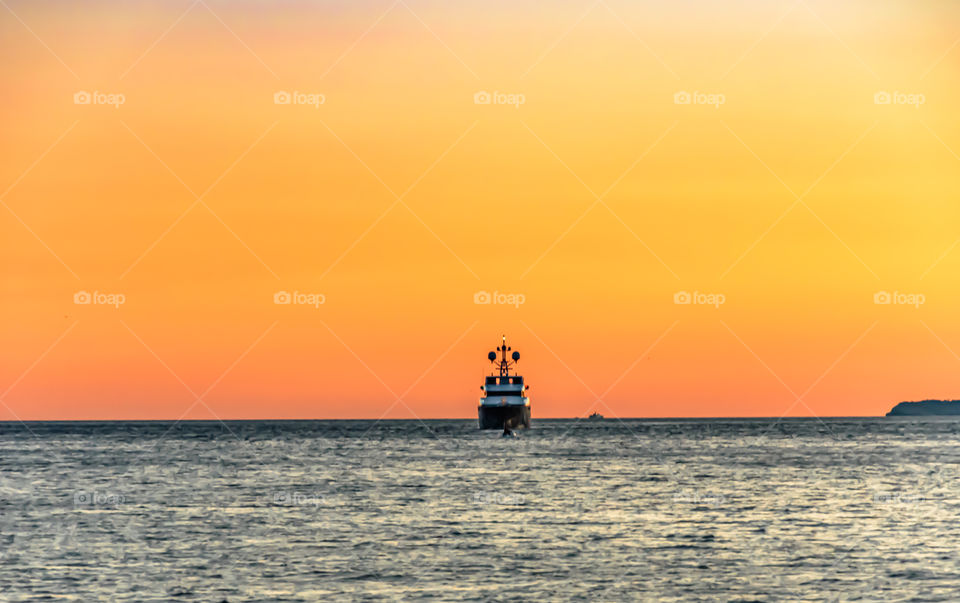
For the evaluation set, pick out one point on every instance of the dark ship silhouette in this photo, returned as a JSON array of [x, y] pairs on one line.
[[504, 405]]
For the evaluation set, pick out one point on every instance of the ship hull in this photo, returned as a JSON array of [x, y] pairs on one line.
[[504, 417]]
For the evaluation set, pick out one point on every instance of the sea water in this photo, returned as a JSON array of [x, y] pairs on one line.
[[611, 510]]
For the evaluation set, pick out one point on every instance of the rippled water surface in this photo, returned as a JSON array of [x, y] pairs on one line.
[[842, 509]]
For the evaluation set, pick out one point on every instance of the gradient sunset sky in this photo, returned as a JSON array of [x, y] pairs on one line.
[[788, 188]]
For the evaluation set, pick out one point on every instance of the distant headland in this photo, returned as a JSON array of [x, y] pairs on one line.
[[926, 408]]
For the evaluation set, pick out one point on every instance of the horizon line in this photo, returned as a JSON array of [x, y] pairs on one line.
[[704, 418]]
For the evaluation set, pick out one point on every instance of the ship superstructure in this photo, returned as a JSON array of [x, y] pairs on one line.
[[504, 404]]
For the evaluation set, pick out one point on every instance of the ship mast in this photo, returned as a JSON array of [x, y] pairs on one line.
[[504, 365]]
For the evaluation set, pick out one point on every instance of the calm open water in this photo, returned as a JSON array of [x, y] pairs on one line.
[[731, 510]]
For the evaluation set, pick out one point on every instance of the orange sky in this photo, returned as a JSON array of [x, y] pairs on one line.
[[797, 195]]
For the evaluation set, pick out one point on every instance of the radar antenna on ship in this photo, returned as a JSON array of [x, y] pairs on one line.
[[504, 365]]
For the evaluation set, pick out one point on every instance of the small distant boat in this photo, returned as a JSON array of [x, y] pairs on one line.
[[595, 416]]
